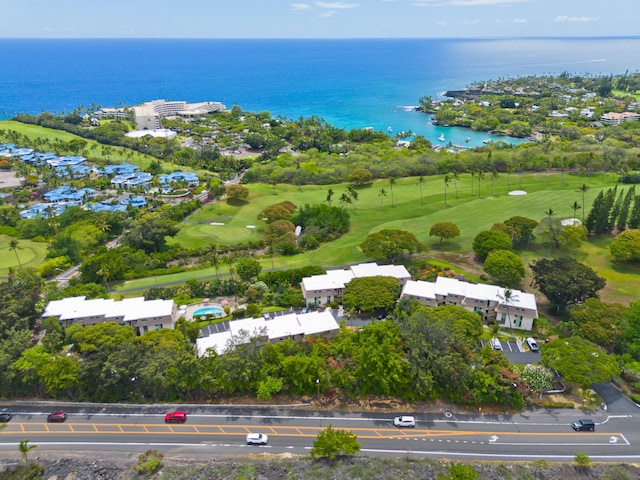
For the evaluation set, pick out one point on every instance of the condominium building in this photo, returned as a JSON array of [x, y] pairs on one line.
[[143, 315], [322, 289], [514, 310]]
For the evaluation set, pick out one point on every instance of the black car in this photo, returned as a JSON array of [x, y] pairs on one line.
[[5, 416], [584, 425]]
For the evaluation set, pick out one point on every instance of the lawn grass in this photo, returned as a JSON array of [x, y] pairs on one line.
[[374, 212], [31, 254]]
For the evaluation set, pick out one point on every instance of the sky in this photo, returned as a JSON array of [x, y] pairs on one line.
[[318, 19]]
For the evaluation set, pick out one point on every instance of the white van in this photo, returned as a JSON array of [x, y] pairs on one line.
[[495, 344], [533, 345]]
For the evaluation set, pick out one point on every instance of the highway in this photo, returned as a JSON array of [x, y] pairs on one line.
[[531, 435]]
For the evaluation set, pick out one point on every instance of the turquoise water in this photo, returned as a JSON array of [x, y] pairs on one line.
[[349, 83], [207, 311]]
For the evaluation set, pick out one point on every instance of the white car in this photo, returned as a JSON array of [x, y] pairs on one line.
[[257, 439], [405, 421], [533, 345]]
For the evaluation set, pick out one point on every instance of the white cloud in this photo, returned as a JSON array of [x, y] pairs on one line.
[[338, 5], [464, 3], [471, 22], [565, 18], [519, 20], [477, 3], [327, 14], [300, 7], [442, 24]]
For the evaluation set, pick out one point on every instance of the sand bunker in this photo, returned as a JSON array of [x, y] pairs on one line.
[[517, 192]]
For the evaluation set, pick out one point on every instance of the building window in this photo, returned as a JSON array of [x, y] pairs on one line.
[[158, 326], [518, 321]]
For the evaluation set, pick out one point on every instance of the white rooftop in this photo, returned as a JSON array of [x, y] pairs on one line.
[[276, 328], [129, 309], [337, 279]]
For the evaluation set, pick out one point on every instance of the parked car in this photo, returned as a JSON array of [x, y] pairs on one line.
[[495, 344], [405, 422], [175, 417], [5, 416], [257, 439], [533, 345], [56, 417], [584, 425]]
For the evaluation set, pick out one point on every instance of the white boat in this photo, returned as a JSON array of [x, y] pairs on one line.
[[389, 129], [441, 137], [468, 139], [487, 141]]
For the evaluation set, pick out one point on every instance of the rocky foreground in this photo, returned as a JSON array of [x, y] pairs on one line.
[[174, 467]]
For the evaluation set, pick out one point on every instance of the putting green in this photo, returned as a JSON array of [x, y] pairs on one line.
[[31, 254]]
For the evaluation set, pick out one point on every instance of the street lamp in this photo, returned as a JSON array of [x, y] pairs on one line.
[[318, 383]]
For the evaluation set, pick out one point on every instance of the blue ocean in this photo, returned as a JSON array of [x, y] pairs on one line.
[[349, 83]]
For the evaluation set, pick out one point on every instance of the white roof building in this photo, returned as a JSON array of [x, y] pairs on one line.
[[293, 325], [322, 289], [143, 315], [519, 311]]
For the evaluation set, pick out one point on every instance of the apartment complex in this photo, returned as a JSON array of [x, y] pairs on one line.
[[143, 315], [515, 310], [319, 290]]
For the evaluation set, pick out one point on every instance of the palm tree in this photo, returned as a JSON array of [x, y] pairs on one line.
[[583, 189], [456, 178], [473, 176], [392, 182], [382, 193], [575, 206], [330, 193], [480, 177], [507, 298], [494, 177], [550, 213], [447, 179], [24, 449], [13, 245], [420, 182], [353, 194], [215, 260], [509, 172], [345, 199]]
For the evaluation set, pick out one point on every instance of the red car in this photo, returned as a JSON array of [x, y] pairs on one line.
[[56, 417], [177, 417]]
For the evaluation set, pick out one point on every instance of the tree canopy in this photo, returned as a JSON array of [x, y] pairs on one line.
[[626, 246], [565, 281], [443, 230], [370, 294], [488, 240], [331, 443], [505, 266], [579, 361], [388, 245]]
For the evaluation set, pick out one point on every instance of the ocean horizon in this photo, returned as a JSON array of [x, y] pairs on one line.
[[351, 83]]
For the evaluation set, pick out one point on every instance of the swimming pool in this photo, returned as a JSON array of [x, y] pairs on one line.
[[207, 311]]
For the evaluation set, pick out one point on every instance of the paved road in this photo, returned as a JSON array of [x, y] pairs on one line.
[[528, 435]]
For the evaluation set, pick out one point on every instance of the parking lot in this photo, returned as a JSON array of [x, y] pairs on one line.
[[517, 351]]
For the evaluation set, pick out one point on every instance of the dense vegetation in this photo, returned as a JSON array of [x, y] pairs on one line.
[[415, 354]]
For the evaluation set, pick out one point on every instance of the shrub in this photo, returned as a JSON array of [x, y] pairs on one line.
[[148, 462]]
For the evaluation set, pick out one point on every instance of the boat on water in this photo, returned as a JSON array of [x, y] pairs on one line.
[[487, 141], [389, 129], [468, 139], [441, 137]]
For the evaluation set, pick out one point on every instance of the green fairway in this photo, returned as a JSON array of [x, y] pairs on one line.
[[374, 211], [31, 254]]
